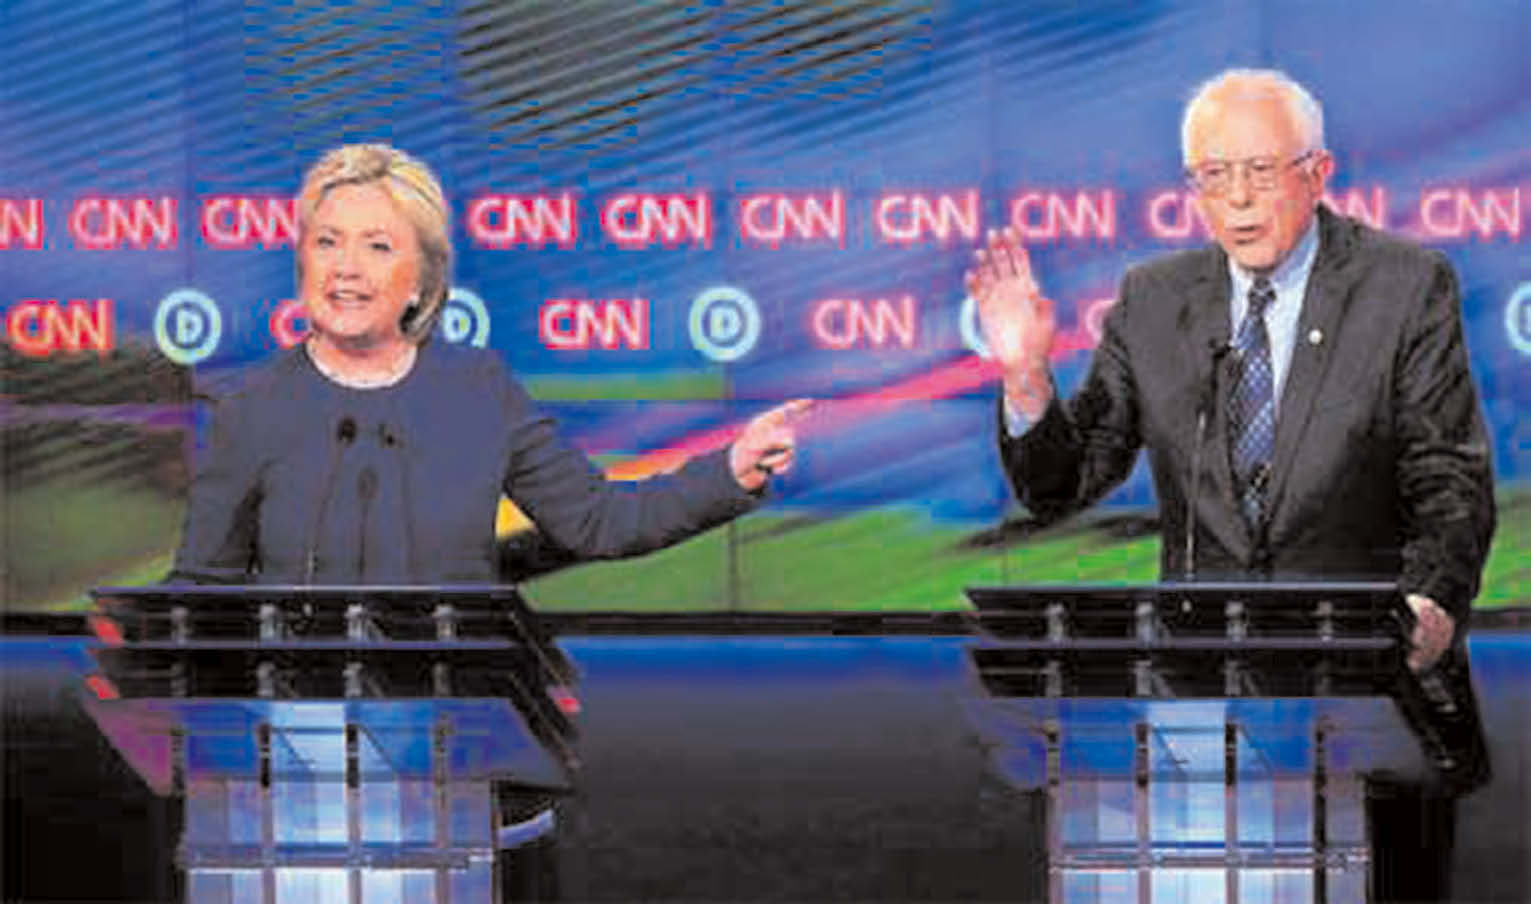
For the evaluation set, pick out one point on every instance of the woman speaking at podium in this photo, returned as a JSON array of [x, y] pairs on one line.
[[374, 454]]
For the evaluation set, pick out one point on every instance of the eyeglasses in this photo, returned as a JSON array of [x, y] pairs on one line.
[[1215, 177]]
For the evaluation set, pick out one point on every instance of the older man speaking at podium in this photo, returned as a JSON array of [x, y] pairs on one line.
[[1302, 389]]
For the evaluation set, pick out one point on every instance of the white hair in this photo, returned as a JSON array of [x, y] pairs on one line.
[[1305, 111]]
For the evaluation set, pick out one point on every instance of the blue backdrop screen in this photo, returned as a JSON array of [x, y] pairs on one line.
[[668, 217]]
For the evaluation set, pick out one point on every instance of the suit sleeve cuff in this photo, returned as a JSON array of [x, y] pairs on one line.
[[1015, 421], [718, 474]]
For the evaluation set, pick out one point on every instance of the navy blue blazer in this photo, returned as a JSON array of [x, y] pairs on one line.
[[1381, 467], [307, 481]]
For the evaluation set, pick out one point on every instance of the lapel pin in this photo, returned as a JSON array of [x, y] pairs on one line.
[[1315, 336]]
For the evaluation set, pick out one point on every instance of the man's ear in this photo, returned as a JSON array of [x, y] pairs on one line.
[[1322, 169]]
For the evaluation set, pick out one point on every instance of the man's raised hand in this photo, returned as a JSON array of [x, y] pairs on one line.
[[1017, 322]]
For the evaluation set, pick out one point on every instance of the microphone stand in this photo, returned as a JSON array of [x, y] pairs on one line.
[[366, 488], [1209, 399], [345, 435]]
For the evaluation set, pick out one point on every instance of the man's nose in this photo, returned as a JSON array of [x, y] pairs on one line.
[[1240, 191]]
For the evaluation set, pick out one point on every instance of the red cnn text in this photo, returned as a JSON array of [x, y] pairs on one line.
[[843, 323], [39, 327], [1049, 216], [645, 220], [528, 221], [908, 217], [288, 323], [108, 223], [1370, 207], [241, 221], [771, 218], [1456, 213], [1173, 214], [578, 323], [21, 223]]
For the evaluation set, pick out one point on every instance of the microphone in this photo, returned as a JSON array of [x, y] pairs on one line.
[[366, 488], [345, 435], [393, 438], [1216, 351]]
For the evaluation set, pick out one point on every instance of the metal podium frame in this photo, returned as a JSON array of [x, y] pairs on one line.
[[1213, 741], [365, 744]]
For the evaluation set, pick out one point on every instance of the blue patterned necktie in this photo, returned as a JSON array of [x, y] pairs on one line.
[[1252, 406]]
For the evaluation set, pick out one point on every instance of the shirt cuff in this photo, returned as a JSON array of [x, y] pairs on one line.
[[1016, 422]]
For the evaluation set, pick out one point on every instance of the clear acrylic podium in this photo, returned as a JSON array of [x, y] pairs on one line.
[[1206, 743], [337, 744]]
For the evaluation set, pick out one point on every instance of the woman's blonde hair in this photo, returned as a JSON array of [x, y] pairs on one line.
[[417, 193]]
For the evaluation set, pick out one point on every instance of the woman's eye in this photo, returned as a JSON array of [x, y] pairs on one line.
[[324, 241], [382, 247]]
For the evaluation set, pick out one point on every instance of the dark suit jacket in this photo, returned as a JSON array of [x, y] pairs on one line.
[[407, 493], [1381, 466]]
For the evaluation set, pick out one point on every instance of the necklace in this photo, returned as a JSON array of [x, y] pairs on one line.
[[394, 374]]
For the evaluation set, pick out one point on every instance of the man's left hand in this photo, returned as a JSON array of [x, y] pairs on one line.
[[1434, 629]]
